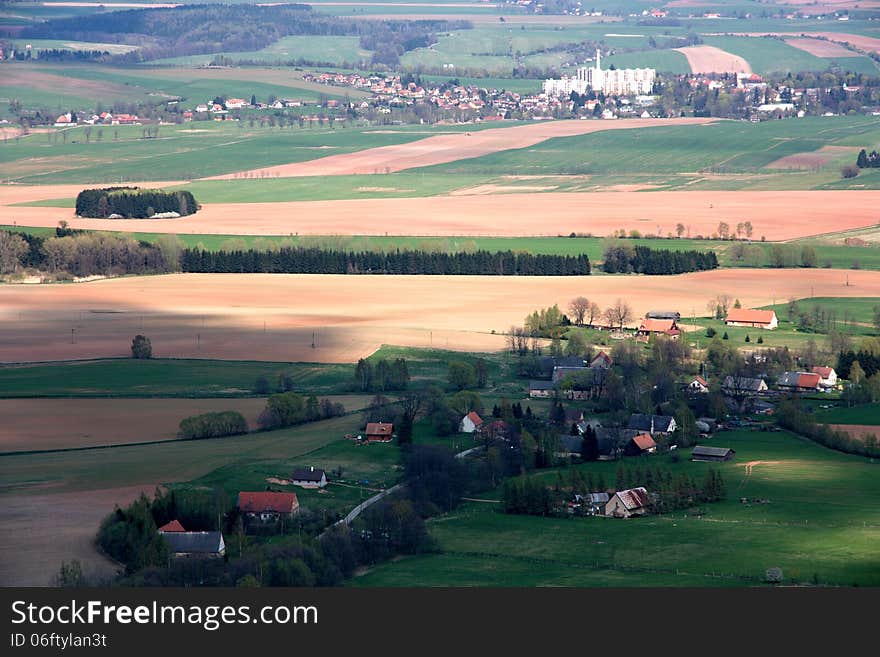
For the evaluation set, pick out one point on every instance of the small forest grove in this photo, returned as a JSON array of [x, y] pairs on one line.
[[134, 203]]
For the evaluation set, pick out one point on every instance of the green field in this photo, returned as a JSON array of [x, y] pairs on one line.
[[725, 147], [812, 528], [163, 378], [859, 310], [868, 414], [769, 55], [326, 49]]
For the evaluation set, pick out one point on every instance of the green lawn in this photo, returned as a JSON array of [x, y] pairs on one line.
[[858, 310], [163, 378], [811, 528], [868, 414]]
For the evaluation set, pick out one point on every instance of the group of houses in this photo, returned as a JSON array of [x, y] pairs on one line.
[[69, 119], [571, 377], [256, 508]]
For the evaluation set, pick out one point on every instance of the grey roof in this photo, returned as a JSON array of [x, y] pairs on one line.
[[743, 383], [541, 385], [608, 438], [703, 450], [571, 444], [642, 422], [663, 314], [307, 474], [194, 542]]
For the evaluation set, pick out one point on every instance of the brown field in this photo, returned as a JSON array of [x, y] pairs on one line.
[[33, 78], [44, 424], [820, 48], [38, 532], [709, 59], [440, 149], [351, 315], [811, 160], [546, 213], [857, 431], [39, 424]]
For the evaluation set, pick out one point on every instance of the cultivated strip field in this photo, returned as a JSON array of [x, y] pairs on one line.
[[820, 48], [275, 316], [870, 44], [441, 149], [42, 424], [709, 59], [784, 215]]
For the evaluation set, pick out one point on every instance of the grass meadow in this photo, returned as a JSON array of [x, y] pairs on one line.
[[812, 527]]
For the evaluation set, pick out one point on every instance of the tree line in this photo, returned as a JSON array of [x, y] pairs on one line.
[[133, 203], [867, 160], [212, 425], [622, 258], [313, 260]]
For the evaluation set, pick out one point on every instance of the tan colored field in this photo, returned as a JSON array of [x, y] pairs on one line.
[[858, 431], [440, 149], [43, 424], [38, 424], [351, 315], [820, 48], [709, 59], [36, 79], [38, 532], [548, 213], [811, 160]]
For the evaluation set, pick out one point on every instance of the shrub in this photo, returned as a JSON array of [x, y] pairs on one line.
[[141, 347], [213, 425], [849, 171]]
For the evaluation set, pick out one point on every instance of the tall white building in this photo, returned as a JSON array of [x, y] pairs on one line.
[[619, 82]]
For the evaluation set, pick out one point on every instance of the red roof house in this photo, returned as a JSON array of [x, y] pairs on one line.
[[765, 319], [267, 503], [173, 526], [379, 432]]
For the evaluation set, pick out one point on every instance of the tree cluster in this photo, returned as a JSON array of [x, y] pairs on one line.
[[212, 425], [867, 160], [286, 409], [381, 375], [299, 260], [622, 258], [133, 203]]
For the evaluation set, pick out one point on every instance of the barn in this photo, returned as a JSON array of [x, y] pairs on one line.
[[712, 454]]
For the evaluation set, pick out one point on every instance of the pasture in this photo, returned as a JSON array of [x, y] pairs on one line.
[[811, 527]]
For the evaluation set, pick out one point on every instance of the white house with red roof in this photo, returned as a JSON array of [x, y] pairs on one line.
[[628, 503], [827, 376], [470, 423], [698, 384]]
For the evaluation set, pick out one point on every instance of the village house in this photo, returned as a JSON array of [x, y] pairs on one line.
[[652, 424], [712, 454], [569, 446], [663, 314], [744, 384], [379, 432], [195, 545], [470, 423], [593, 503], [698, 384], [236, 103], [641, 444], [798, 381], [649, 327], [628, 503], [310, 477], [763, 319], [601, 361], [541, 389], [827, 377], [267, 506]]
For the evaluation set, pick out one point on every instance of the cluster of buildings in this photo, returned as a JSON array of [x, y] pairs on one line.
[[104, 118], [260, 508], [612, 82]]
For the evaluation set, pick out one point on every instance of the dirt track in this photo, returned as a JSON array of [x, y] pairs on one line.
[[351, 315], [440, 149], [709, 59], [784, 215]]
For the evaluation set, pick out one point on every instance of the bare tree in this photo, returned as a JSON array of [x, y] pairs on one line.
[[593, 312], [13, 248], [578, 307], [719, 305], [620, 313]]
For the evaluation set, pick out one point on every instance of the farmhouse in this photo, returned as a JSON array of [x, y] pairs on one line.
[[470, 423], [652, 424], [640, 444], [698, 384], [628, 503], [310, 477], [712, 454], [744, 384], [668, 327], [379, 432], [663, 314], [267, 506], [593, 503], [827, 376], [570, 445], [541, 389], [601, 361], [764, 319], [195, 545], [799, 381]]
